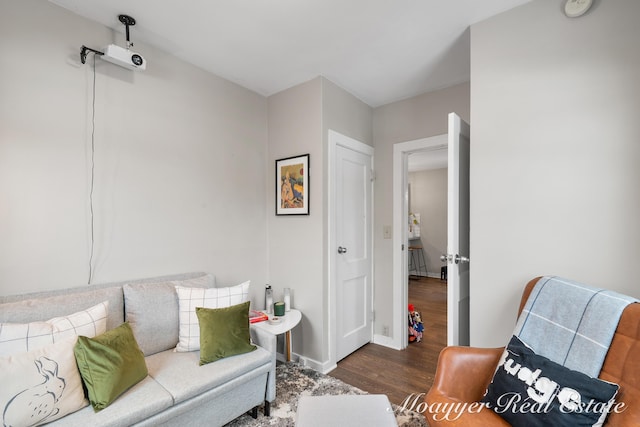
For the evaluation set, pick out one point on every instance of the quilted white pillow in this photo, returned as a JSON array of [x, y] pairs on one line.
[[41, 385], [190, 298], [23, 337]]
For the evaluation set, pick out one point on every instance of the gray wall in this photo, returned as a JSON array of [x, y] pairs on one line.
[[554, 155], [180, 161], [299, 119], [419, 117], [429, 199], [295, 242], [346, 114], [184, 169]]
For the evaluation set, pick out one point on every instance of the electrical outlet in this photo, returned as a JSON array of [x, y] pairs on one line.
[[386, 231], [385, 330]]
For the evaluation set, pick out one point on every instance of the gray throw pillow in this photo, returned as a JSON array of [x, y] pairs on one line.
[[152, 311]]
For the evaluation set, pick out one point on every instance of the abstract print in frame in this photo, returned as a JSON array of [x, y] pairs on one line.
[[292, 185]]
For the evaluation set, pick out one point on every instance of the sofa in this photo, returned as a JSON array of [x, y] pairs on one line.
[[176, 391], [464, 373]]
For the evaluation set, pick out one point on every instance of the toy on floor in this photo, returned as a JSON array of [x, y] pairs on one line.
[[415, 325]]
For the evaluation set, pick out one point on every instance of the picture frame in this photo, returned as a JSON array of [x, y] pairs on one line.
[[292, 185]]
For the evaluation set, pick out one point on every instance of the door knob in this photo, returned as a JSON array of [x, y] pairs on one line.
[[342, 250], [459, 259], [451, 258]]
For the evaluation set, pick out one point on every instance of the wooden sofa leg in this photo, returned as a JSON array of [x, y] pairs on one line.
[[267, 409], [254, 412]]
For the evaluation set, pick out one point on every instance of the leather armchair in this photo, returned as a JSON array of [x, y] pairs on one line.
[[462, 377], [463, 374]]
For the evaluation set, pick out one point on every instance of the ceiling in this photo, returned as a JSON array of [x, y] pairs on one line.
[[430, 158], [427, 160], [378, 50]]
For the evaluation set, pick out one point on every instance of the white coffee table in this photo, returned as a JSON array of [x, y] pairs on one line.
[[347, 410], [289, 321]]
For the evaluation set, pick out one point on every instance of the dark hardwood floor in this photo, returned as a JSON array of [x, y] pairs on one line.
[[381, 370]]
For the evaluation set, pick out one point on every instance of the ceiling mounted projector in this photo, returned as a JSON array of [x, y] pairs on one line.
[[121, 56], [124, 57]]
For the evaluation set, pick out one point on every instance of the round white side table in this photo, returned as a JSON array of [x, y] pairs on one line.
[[289, 321]]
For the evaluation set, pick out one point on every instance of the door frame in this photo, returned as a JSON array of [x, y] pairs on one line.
[[334, 140], [401, 152]]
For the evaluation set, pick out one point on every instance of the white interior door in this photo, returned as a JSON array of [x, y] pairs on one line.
[[353, 250], [458, 232]]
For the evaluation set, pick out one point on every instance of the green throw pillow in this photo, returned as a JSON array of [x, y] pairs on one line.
[[224, 332], [109, 364]]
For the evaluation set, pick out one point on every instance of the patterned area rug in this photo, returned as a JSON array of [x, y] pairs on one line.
[[294, 380]]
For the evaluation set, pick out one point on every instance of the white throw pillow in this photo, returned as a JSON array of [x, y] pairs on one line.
[[22, 337], [190, 298], [41, 386]]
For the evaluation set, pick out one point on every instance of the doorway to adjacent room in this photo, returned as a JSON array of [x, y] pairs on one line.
[[456, 258]]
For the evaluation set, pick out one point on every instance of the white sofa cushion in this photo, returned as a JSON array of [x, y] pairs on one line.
[[152, 311], [142, 401], [23, 337], [190, 298], [181, 375]]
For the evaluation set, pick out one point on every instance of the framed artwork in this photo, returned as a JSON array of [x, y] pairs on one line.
[[292, 185]]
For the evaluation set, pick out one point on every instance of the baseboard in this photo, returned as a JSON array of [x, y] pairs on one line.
[[385, 341], [429, 275], [322, 367], [326, 367]]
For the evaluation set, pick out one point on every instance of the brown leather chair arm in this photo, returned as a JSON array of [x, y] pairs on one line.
[[463, 373]]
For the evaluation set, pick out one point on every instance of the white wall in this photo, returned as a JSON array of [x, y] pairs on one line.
[[295, 241], [554, 155], [299, 118], [180, 161], [419, 117], [429, 199], [349, 116], [184, 169], [345, 114]]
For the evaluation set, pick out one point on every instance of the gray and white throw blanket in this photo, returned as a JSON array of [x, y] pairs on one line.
[[570, 323]]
